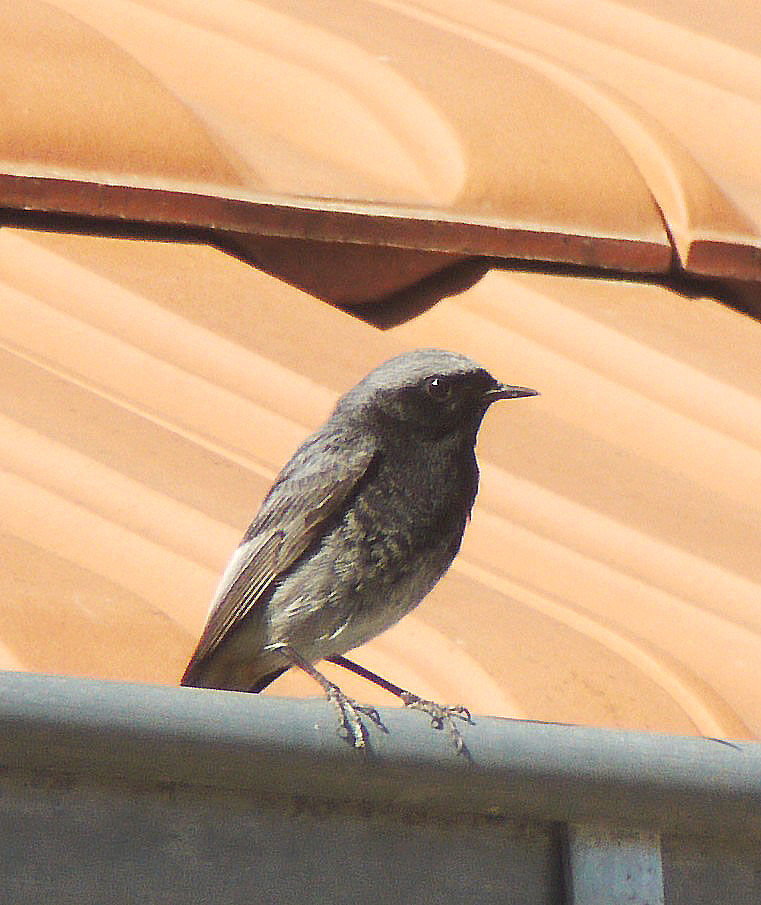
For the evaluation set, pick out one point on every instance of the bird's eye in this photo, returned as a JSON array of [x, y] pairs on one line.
[[438, 387]]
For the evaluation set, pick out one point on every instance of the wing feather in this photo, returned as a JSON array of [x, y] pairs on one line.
[[312, 487]]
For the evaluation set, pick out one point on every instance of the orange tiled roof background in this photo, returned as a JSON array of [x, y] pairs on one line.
[[150, 390]]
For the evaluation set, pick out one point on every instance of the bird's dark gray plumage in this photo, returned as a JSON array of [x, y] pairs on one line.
[[358, 527]]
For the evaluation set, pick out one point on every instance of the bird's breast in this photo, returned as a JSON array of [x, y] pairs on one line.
[[405, 524], [384, 551]]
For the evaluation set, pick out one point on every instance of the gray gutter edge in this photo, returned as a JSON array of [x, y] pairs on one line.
[[275, 748]]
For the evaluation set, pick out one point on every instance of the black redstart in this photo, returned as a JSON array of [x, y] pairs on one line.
[[356, 530]]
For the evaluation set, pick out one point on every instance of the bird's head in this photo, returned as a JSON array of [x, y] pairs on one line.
[[432, 391]]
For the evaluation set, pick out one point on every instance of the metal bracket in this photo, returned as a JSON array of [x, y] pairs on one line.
[[606, 865]]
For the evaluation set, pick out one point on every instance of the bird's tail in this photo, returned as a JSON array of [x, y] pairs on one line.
[[195, 676]]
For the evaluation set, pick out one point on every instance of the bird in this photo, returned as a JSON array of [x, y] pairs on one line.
[[358, 527]]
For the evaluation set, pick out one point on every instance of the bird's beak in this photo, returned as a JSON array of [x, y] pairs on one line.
[[505, 391]]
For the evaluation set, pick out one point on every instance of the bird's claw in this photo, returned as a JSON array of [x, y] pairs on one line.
[[441, 716], [462, 713], [352, 728], [371, 713]]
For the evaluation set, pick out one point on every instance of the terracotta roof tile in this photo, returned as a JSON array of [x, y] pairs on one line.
[[150, 390]]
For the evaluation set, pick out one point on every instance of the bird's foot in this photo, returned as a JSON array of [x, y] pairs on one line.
[[352, 728], [441, 716]]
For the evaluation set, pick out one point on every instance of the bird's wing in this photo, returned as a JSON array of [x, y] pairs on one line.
[[309, 490]]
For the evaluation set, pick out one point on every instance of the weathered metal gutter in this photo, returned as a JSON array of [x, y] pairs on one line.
[[121, 793]]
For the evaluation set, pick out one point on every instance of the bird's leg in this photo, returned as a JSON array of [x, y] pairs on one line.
[[440, 715], [348, 709]]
